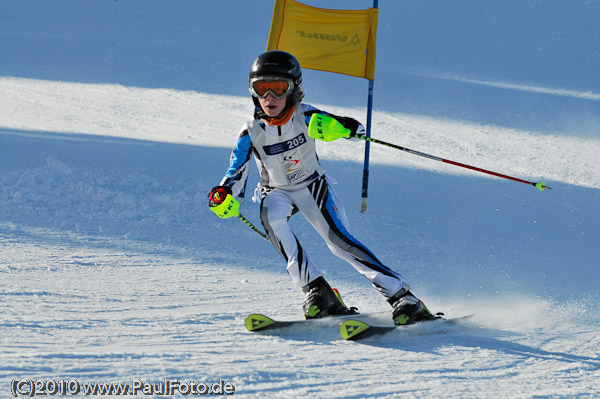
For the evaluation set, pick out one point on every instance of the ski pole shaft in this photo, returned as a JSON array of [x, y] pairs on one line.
[[247, 222], [541, 185]]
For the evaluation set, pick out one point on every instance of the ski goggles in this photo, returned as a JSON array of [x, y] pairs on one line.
[[277, 86]]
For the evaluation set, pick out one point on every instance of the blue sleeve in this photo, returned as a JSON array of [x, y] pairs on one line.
[[237, 174]]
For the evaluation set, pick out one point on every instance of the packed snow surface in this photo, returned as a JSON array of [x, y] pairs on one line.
[[117, 117]]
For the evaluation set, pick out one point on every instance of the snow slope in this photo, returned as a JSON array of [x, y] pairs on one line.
[[116, 118]]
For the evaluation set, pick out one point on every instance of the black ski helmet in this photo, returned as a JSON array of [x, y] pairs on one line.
[[283, 64]]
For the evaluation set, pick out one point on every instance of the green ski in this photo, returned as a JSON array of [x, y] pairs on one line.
[[354, 330]]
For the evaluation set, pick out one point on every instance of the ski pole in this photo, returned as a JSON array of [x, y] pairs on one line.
[[247, 222], [224, 205], [541, 185]]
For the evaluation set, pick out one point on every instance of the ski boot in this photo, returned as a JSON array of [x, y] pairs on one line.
[[320, 300], [408, 309]]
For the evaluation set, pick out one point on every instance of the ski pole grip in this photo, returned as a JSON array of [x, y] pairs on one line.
[[326, 128], [222, 203]]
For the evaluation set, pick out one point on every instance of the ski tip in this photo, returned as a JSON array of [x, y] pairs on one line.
[[257, 321], [350, 329]]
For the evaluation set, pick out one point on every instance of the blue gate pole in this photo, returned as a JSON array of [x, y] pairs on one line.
[[365, 181]]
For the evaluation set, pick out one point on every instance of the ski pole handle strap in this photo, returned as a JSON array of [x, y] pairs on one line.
[[222, 203], [326, 128]]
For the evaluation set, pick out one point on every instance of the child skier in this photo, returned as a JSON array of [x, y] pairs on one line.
[[292, 180]]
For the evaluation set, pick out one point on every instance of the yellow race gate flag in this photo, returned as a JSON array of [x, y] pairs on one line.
[[339, 41]]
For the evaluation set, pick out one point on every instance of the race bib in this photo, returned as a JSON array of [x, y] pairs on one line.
[[293, 168]]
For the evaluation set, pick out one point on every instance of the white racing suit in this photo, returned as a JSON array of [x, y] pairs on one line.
[[293, 180]]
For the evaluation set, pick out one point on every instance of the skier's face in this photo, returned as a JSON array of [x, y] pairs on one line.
[[271, 105]]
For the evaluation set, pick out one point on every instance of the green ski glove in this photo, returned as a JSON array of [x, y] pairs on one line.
[[326, 128]]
